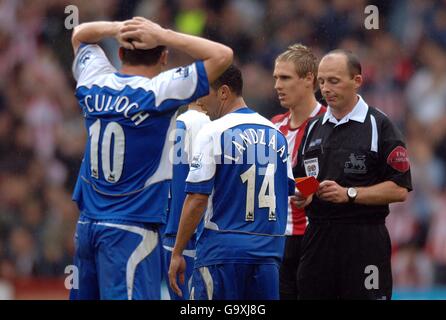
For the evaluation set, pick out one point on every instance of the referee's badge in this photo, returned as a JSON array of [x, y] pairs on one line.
[[311, 167]]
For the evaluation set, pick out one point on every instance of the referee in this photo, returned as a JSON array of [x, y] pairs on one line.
[[360, 159]]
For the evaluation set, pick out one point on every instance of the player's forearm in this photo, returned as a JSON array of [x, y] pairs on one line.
[[193, 209], [380, 194], [216, 56], [93, 32]]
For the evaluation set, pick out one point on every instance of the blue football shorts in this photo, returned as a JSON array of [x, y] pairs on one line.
[[189, 256], [236, 281], [117, 260]]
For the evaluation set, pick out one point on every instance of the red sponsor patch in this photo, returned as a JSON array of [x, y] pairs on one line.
[[398, 159]]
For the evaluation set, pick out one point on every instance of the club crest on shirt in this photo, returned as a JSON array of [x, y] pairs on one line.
[[84, 58], [311, 167], [182, 72], [355, 164]]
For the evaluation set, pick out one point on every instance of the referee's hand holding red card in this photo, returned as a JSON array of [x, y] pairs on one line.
[[299, 200], [331, 191]]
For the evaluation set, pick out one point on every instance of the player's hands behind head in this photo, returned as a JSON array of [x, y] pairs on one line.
[[144, 34], [123, 41]]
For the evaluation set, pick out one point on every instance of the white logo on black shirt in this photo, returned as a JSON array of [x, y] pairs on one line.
[[355, 164]]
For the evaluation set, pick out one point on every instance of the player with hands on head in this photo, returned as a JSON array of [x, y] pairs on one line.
[[123, 185]]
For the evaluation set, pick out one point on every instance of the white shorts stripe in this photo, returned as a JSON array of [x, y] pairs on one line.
[[209, 283], [148, 243]]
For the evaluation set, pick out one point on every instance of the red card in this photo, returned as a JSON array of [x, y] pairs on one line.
[[307, 185]]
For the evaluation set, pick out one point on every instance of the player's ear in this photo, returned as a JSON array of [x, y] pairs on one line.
[[309, 79], [358, 81], [163, 58], [224, 92], [121, 53]]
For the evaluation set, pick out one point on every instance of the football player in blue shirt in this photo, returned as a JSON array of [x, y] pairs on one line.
[[241, 175], [123, 183], [188, 125]]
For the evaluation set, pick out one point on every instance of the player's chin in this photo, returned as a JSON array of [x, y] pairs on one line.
[[284, 103]]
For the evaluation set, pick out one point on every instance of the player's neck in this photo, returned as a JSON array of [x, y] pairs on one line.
[[233, 105], [302, 111], [144, 71], [195, 107]]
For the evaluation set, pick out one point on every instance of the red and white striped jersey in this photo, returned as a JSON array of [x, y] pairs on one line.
[[297, 220]]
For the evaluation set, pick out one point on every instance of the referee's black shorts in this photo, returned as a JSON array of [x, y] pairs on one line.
[[345, 261], [288, 268]]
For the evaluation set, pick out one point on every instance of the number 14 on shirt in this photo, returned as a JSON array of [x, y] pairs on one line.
[[265, 200]]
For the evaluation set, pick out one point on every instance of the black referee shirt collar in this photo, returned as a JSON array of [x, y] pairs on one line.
[[359, 113]]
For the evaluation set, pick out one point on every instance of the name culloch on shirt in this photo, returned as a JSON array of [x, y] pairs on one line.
[[109, 103]]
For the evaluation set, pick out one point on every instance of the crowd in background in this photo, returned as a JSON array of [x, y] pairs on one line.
[[42, 133]]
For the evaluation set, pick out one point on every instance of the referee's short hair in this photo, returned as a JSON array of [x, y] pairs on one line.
[[138, 57], [303, 59], [232, 77], [353, 64]]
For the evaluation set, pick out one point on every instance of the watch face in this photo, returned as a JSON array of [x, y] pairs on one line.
[[351, 192]]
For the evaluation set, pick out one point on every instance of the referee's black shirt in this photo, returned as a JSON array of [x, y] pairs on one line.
[[362, 149]]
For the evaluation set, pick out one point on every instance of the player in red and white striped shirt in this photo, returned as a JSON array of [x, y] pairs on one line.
[[295, 74]]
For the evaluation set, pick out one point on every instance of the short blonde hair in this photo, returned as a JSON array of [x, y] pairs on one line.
[[303, 59]]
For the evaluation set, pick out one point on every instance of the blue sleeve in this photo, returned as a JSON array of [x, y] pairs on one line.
[[180, 86], [204, 187]]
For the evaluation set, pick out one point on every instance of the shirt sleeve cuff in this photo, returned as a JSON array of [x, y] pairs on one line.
[[200, 187]]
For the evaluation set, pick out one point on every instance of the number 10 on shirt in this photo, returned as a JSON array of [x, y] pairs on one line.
[[266, 196], [113, 129]]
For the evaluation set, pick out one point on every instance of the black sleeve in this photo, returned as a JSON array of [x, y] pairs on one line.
[[394, 156], [299, 170]]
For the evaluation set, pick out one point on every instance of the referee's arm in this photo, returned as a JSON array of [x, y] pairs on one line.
[[379, 194]]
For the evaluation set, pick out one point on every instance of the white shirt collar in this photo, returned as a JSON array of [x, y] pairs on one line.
[[314, 113], [316, 110], [358, 113]]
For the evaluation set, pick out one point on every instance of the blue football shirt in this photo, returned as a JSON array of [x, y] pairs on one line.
[[188, 125], [125, 171], [241, 162]]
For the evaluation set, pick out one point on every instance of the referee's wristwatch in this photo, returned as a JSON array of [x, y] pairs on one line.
[[352, 193]]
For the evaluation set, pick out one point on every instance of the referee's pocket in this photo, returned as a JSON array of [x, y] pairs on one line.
[[306, 238]]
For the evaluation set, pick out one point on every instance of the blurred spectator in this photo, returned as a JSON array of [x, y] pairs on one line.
[[22, 251], [412, 268], [426, 91], [437, 239]]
